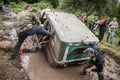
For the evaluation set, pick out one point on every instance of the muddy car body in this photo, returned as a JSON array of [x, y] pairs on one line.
[[66, 46]]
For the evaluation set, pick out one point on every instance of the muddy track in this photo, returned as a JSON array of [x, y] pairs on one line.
[[39, 69]]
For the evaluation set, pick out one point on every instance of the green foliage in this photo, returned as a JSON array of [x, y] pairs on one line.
[[118, 32], [18, 7], [6, 2], [16, 1], [54, 3], [99, 7], [36, 6], [110, 47]]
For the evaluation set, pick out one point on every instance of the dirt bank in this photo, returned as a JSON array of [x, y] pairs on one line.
[[11, 70], [112, 55]]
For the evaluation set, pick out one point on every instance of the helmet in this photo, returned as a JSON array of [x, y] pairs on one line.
[[91, 50]]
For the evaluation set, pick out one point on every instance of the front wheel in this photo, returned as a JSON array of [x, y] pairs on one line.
[[51, 57]]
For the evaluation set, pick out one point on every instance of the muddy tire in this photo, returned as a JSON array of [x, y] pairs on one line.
[[50, 56]]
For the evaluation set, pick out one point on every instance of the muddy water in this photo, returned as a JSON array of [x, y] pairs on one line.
[[38, 69]]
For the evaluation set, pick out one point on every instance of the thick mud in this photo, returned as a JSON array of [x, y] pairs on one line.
[[38, 69], [34, 66], [11, 70]]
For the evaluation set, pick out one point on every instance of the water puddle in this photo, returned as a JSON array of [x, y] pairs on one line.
[[38, 69], [25, 61]]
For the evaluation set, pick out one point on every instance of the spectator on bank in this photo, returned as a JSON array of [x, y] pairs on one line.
[[81, 17], [102, 27], [111, 30], [94, 24]]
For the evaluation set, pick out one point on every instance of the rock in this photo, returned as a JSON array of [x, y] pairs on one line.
[[5, 45], [29, 44], [8, 24]]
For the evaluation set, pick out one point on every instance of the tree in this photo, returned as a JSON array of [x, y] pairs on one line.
[[100, 7], [54, 3], [6, 2], [16, 1]]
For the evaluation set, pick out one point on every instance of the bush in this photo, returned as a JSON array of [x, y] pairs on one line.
[[36, 6], [118, 32], [18, 7]]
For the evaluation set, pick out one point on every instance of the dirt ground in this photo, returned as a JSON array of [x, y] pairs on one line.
[[11, 70]]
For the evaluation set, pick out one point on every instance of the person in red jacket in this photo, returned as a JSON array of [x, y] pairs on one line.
[[102, 27], [81, 17]]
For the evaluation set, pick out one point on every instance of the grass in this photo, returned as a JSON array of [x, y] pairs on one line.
[[114, 48]]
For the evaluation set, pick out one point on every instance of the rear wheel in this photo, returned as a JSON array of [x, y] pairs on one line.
[[50, 58]]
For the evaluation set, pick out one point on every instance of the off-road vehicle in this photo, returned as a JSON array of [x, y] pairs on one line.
[[66, 46]]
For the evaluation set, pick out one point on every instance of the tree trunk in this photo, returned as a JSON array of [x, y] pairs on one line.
[[16, 1], [6, 2], [90, 11]]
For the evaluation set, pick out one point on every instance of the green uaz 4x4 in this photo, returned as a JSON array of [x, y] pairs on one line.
[[66, 46]]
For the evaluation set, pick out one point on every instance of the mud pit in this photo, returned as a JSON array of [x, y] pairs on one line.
[[38, 69]]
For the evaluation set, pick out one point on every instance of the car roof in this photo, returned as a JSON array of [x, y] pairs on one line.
[[69, 28]]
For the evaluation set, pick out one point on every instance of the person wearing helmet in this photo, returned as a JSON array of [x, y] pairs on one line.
[[96, 59]]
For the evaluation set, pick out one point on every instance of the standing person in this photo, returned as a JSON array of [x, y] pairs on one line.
[[111, 30], [102, 27], [42, 14], [81, 17], [85, 18], [94, 24], [27, 24], [96, 59]]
